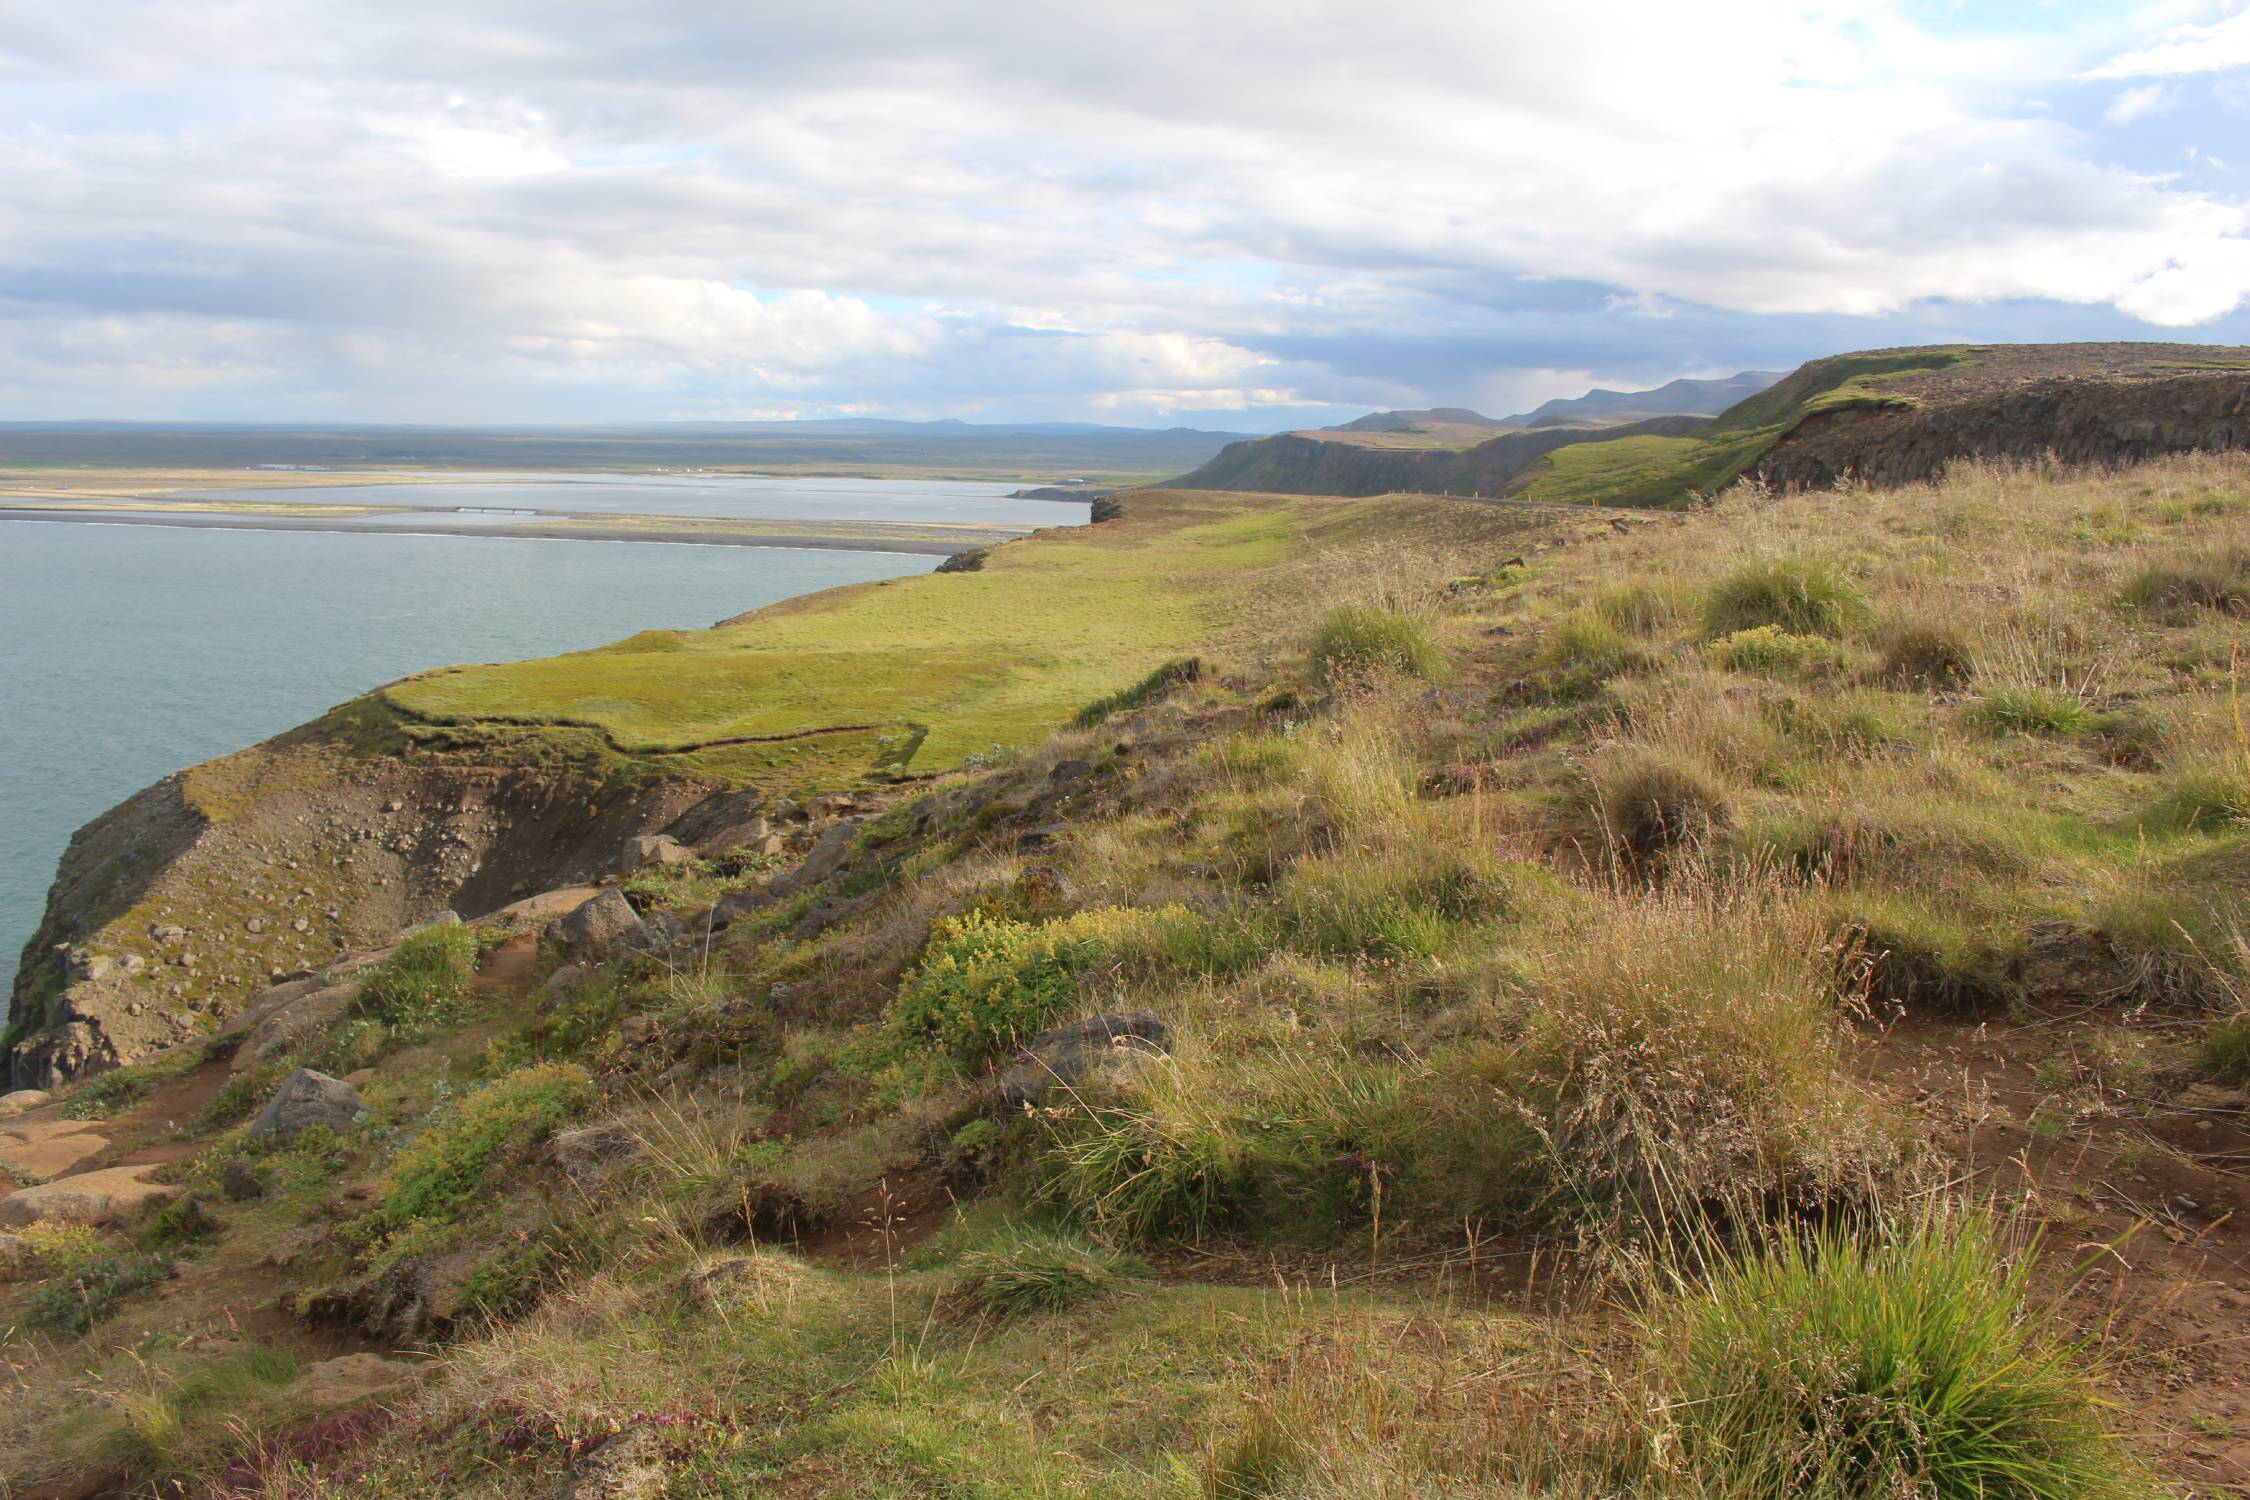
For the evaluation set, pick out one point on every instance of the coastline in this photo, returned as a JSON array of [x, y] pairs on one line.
[[518, 532]]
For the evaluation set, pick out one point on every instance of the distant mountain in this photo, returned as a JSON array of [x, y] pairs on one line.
[[1678, 398], [846, 445]]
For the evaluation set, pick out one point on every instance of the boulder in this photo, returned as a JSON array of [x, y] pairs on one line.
[[735, 905], [537, 911], [750, 834], [22, 1099], [559, 984], [305, 1099], [1107, 1045], [48, 1148], [827, 857], [241, 1182], [604, 926], [114, 1195], [427, 924], [308, 1015], [654, 852], [17, 1258], [350, 1380]]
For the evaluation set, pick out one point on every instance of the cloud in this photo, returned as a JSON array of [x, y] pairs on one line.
[[494, 209], [2216, 48], [2139, 103]]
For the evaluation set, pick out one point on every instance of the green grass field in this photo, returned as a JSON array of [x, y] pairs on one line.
[[928, 670]]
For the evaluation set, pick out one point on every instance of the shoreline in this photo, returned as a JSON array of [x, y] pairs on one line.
[[780, 540]]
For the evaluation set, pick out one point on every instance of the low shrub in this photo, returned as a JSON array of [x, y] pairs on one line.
[[1832, 1368], [1769, 648], [1354, 640], [1032, 1270], [91, 1290], [423, 983], [1798, 595], [985, 982], [1931, 658], [1150, 688], [460, 1146], [183, 1221]]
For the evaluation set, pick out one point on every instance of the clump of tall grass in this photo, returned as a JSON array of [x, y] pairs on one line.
[[1355, 640], [1651, 802], [1831, 1365], [1927, 656], [423, 983], [2175, 588], [1800, 595], [1041, 1270], [1688, 1046]]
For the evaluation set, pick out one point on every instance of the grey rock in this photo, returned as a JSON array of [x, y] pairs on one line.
[[427, 924], [743, 835], [654, 851], [1068, 771], [1108, 1045], [604, 926], [305, 1099], [17, 1258], [17, 1102], [286, 1027], [827, 857], [559, 984]]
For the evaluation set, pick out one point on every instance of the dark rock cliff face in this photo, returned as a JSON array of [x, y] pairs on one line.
[[163, 921], [2079, 421], [1292, 464]]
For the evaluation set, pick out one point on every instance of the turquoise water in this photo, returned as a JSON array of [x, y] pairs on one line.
[[128, 652]]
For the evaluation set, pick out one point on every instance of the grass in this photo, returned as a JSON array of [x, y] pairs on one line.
[[1796, 595], [1037, 1270], [1915, 1362], [89, 1290], [936, 668], [458, 1149], [1355, 640], [424, 983]]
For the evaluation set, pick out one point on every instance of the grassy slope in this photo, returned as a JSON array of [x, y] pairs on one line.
[[921, 672], [1671, 471], [1450, 995]]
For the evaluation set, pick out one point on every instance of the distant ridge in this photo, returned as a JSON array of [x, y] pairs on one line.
[[1409, 421], [1676, 398]]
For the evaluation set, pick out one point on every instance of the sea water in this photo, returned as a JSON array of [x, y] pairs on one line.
[[129, 652]]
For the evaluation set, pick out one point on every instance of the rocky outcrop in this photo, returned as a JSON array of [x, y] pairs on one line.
[[171, 912], [2093, 417], [1103, 1046]]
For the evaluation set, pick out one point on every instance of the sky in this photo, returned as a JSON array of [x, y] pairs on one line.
[[1242, 214]]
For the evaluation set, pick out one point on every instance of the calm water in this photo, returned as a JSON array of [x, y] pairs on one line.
[[926, 500], [127, 652]]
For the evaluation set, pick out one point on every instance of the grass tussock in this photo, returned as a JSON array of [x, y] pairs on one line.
[[1832, 1365], [1039, 1270], [1799, 595], [1356, 640]]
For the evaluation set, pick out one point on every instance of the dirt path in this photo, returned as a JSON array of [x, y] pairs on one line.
[[2141, 1188]]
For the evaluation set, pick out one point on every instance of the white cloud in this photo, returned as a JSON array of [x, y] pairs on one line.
[[2216, 48], [1011, 205], [2140, 103]]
